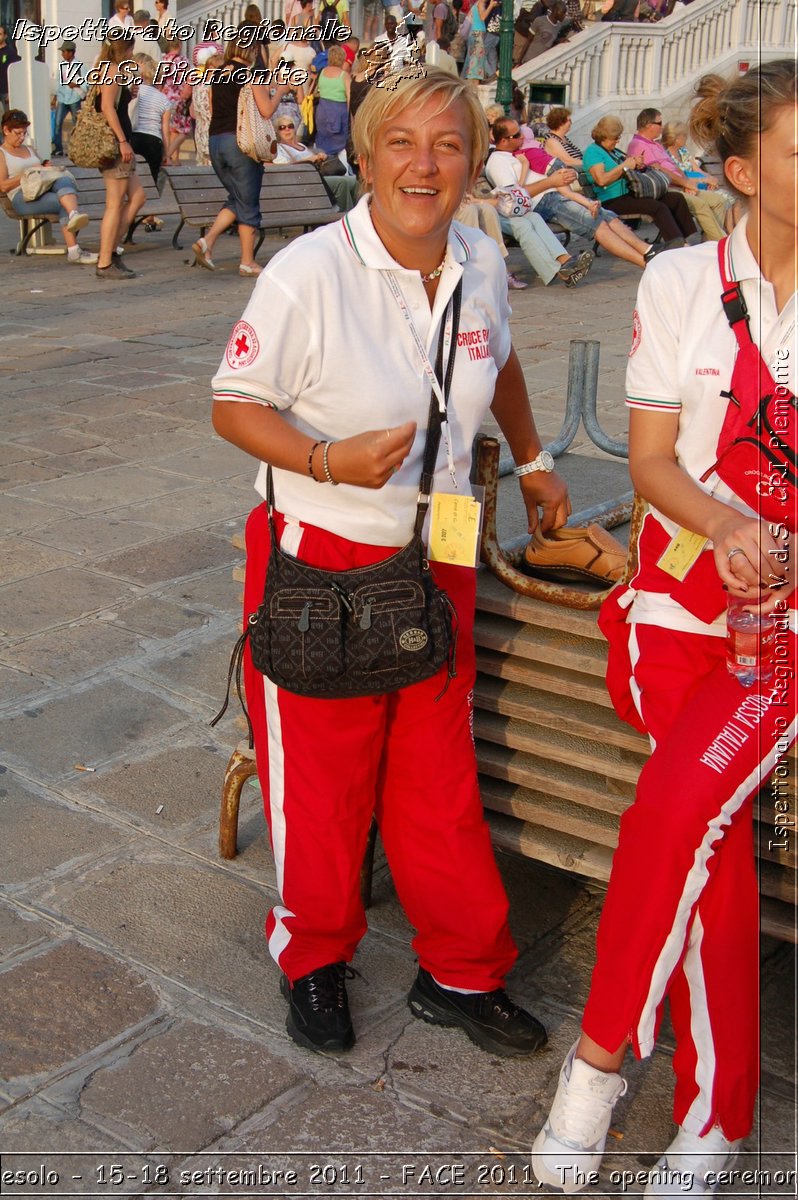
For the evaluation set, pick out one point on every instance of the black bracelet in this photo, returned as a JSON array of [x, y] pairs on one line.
[[310, 462]]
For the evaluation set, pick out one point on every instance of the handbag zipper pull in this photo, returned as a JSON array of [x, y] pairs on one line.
[[365, 620], [303, 624], [344, 597]]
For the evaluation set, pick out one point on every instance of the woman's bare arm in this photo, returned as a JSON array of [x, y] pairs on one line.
[[366, 460]]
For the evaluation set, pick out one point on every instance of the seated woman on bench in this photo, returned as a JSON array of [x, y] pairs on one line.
[[59, 200]]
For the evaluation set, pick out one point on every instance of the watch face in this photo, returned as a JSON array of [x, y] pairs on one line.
[[546, 461]]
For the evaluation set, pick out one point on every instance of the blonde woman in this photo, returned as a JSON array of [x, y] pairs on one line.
[[674, 140], [124, 194], [287, 400]]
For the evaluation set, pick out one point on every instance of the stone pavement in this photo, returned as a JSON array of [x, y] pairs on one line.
[[141, 1023]]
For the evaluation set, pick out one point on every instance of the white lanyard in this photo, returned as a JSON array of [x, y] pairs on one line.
[[396, 291]]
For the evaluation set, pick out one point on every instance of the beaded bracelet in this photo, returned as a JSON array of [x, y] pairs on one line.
[[310, 462], [326, 465]]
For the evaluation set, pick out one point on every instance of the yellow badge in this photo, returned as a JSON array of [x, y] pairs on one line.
[[455, 529], [681, 552]]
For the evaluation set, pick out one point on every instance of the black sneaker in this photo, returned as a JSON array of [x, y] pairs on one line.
[[116, 260], [661, 247], [115, 270], [318, 1008], [489, 1018]]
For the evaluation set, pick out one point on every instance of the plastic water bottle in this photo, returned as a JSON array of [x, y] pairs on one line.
[[749, 644]]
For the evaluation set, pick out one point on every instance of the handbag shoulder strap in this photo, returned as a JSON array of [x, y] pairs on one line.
[[731, 298], [434, 425]]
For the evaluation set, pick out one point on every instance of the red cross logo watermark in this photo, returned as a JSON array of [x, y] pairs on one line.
[[243, 347]]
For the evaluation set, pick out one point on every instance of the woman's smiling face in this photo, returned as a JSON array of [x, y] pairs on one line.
[[418, 173]]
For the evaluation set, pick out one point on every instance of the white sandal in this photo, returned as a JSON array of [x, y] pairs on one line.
[[201, 256], [249, 271]]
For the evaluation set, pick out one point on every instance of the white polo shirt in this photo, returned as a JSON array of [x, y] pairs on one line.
[[507, 170], [323, 341], [681, 360]]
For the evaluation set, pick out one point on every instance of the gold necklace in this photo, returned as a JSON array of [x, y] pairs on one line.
[[434, 274]]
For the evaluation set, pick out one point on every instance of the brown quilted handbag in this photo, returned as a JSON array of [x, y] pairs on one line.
[[93, 142]]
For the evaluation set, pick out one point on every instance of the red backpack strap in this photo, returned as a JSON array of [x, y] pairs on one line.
[[732, 300]]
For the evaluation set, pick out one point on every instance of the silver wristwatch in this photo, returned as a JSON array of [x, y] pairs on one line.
[[543, 462]]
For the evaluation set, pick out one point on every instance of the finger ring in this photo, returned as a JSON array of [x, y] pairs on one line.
[[734, 550]]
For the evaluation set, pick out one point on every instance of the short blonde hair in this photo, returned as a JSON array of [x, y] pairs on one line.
[[336, 56], [383, 103], [607, 127], [147, 66], [671, 131]]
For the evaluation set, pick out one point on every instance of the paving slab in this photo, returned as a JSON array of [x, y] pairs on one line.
[[18, 930], [196, 506], [227, 1078], [20, 514], [104, 489], [94, 537], [88, 727], [62, 441], [16, 686], [200, 926], [90, 646], [36, 1126], [209, 459], [44, 601], [156, 617], [170, 558], [184, 782], [215, 590], [42, 834], [98, 1000], [200, 667]]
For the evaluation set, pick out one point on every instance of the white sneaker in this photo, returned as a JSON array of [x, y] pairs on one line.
[[684, 1166], [571, 1143], [84, 258], [77, 221]]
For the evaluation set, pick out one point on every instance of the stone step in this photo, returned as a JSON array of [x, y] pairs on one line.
[[558, 647], [543, 676], [494, 597], [544, 811], [536, 773], [588, 754], [548, 710]]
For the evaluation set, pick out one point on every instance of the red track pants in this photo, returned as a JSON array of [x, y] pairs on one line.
[[681, 914], [327, 766]]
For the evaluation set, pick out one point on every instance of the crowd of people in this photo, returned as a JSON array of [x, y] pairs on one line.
[[535, 184]]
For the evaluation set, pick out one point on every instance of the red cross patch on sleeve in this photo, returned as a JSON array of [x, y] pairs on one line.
[[243, 347], [637, 332]]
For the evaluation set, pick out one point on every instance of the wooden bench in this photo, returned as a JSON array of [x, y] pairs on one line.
[[291, 195], [91, 200]]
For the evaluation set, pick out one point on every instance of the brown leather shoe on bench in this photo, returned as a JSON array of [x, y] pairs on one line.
[[587, 552]]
